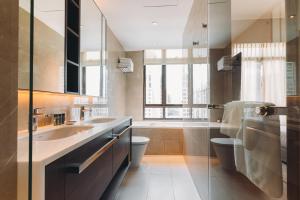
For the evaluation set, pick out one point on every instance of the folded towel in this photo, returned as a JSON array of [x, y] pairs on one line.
[[259, 156]]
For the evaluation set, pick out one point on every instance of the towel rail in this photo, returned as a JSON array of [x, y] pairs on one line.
[[214, 106], [271, 110]]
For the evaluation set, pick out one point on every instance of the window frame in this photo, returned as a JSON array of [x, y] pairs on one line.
[[190, 105]]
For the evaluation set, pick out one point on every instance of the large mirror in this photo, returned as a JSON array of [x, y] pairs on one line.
[[91, 48], [49, 31], [49, 47]]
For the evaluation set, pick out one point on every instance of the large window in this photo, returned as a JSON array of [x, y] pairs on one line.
[[261, 62], [154, 84], [177, 84], [176, 91]]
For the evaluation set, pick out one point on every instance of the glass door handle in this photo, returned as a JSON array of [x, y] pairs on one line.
[[271, 110]]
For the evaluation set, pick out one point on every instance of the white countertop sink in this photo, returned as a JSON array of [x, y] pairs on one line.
[[100, 120], [60, 133], [53, 142]]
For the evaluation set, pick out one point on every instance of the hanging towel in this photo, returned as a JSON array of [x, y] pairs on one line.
[[231, 121], [258, 153]]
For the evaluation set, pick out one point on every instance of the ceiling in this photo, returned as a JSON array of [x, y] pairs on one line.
[[224, 13], [131, 22], [51, 13]]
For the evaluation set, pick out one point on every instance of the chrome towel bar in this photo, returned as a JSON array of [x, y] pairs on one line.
[[214, 106], [271, 110]]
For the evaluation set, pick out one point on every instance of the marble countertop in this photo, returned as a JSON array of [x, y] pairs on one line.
[[45, 152]]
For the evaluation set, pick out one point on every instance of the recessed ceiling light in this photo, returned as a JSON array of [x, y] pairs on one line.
[[154, 23]]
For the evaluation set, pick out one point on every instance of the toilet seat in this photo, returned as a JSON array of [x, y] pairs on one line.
[[223, 141], [140, 140]]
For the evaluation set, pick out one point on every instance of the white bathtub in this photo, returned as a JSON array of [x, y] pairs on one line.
[[174, 124]]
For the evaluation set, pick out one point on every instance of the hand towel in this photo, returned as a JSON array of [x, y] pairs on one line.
[[259, 156], [231, 121]]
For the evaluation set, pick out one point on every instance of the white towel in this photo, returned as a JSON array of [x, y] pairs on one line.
[[232, 116], [258, 154]]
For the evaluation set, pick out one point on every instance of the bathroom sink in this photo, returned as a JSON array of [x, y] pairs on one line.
[[100, 120], [60, 133]]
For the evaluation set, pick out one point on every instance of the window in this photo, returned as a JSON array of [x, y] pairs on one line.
[[177, 84], [153, 113], [92, 76], [154, 84], [261, 62], [176, 91], [153, 54], [200, 52], [200, 84], [176, 53]]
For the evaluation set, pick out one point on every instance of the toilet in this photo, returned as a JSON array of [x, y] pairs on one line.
[[230, 126], [225, 152], [139, 146]]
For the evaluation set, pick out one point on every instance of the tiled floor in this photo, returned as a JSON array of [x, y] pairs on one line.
[[159, 178], [231, 185]]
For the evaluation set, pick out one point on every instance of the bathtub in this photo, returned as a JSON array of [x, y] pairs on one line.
[[174, 137], [174, 124]]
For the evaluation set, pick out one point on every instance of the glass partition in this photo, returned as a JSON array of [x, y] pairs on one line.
[[196, 131], [254, 153], [52, 109], [24, 103]]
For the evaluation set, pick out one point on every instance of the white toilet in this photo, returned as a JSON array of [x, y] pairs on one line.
[[139, 146], [224, 148]]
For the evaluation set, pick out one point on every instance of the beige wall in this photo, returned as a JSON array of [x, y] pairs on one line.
[[216, 83], [134, 89], [257, 31], [57, 103], [8, 103], [116, 78], [48, 56], [50, 102]]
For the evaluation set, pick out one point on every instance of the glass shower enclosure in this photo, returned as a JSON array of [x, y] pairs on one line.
[[249, 149]]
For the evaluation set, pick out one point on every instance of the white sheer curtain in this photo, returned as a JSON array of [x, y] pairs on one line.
[[263, 72]]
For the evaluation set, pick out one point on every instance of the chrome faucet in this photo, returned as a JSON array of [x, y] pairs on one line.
[[36, 112], [83, 110]]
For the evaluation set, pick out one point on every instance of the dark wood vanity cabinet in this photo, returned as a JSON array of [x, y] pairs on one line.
[[66, 180], [92, 181], [122, 148]]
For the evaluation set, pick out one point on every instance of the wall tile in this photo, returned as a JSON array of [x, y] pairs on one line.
[[163, 141], [8, 94], [134, 88]]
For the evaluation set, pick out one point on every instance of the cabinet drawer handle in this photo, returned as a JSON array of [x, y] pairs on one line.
[[79, 168], [123, 132]]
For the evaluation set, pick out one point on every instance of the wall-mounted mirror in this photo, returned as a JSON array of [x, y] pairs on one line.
[[49, 48], [49, 45], [91, 47]]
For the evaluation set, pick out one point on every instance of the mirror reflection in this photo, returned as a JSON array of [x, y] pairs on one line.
[[49, 42], [90, 48]]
